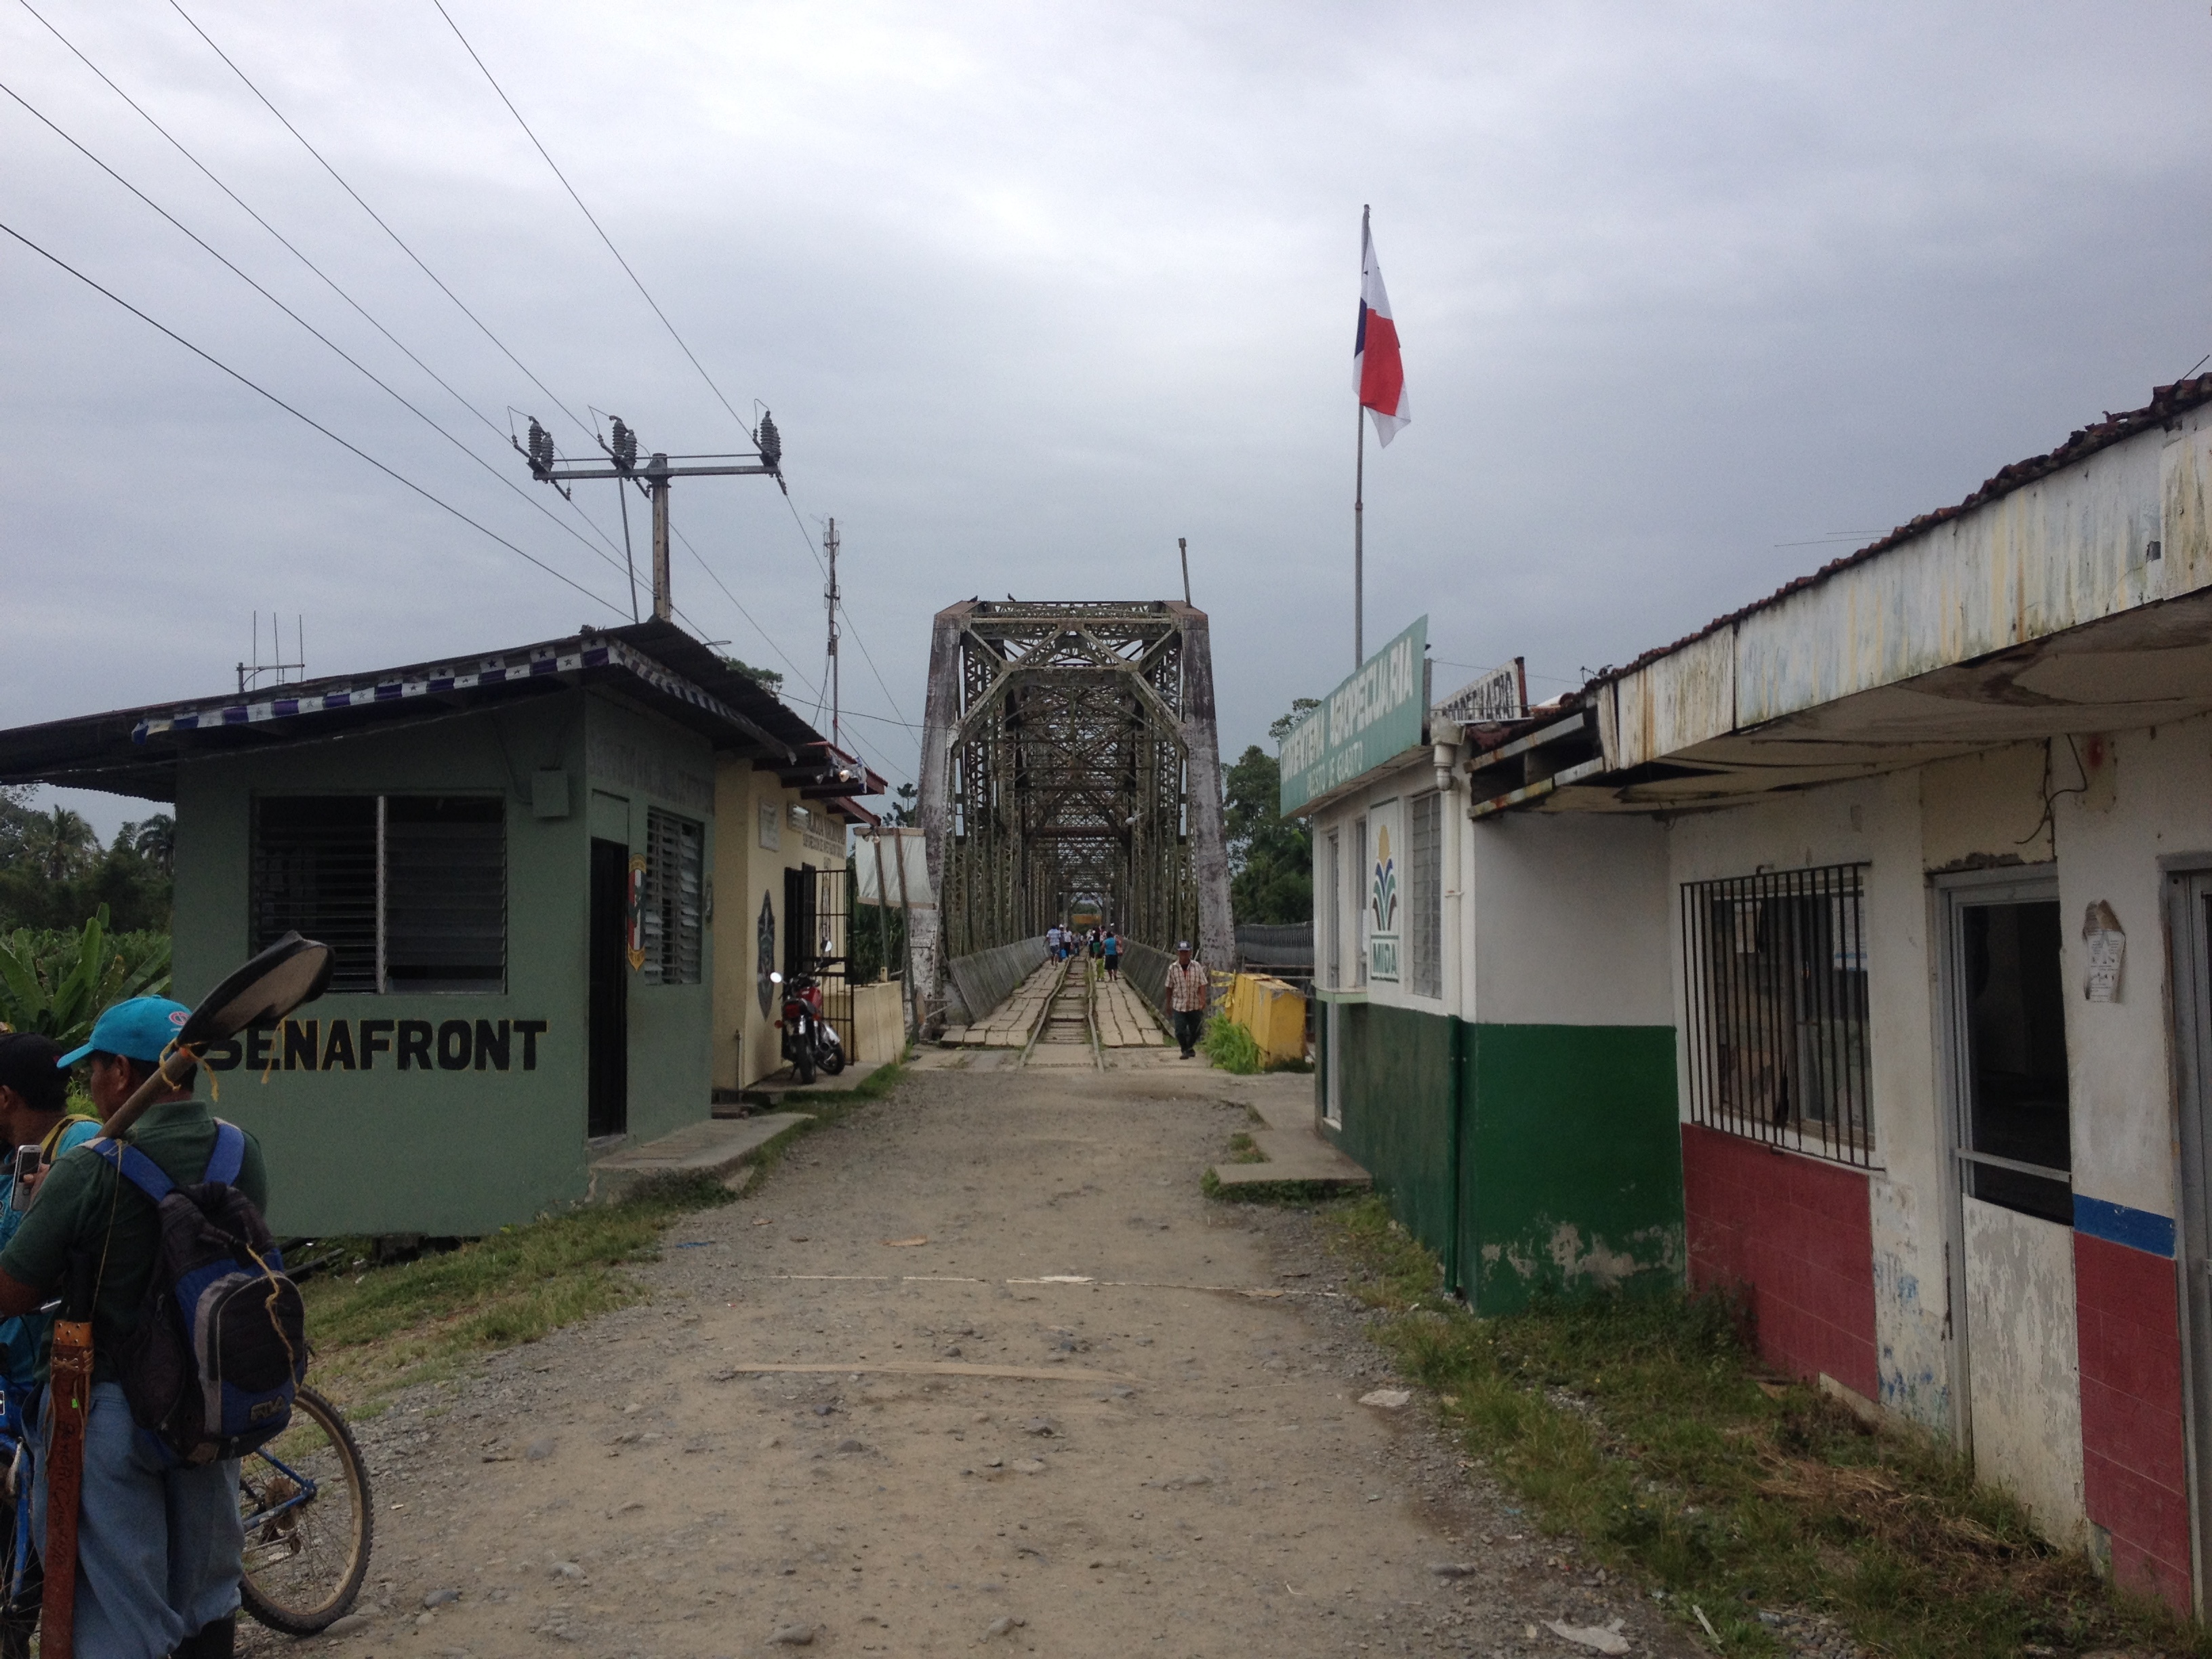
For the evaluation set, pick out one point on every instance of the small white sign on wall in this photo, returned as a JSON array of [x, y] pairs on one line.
[[2107, 949], [1385, 880], [771, 826]]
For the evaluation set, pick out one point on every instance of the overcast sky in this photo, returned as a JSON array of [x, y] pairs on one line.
[[1694, 297]]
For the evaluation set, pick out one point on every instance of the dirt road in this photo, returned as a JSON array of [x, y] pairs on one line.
[[1119, 1451]]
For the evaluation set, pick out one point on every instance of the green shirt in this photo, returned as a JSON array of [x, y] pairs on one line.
[[79, 1201]]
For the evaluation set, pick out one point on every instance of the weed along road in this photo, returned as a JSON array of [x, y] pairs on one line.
[[976, 1363]]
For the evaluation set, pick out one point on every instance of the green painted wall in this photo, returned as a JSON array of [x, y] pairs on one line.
[[634, 757], [1399, 1098], [436, 1151], [1573, 1167], [1568, 1154]]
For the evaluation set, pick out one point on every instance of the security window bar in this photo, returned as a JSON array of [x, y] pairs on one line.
[[1425, 903], [409, 891], [675, 860], [1776, 968]]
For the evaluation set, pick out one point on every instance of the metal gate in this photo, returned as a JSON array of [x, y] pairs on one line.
[[815, 940]]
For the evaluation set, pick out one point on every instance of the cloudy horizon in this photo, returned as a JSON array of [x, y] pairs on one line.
[[1693, 299]]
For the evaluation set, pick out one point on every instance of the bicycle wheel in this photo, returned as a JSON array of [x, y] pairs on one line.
[[309, 1519]]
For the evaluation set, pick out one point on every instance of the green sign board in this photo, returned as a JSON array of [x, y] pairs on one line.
[[1375, 716]]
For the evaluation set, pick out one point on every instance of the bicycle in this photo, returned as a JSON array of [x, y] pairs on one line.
[[310, 1520]]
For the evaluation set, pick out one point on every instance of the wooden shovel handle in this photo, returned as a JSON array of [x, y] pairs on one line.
[[70, 1400]]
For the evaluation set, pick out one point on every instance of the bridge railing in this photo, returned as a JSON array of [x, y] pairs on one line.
[[984, 979]]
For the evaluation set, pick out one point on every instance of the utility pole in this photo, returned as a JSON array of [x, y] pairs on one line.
[[653, 478], [830, 546]]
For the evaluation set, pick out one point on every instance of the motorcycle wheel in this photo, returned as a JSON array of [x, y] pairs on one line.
[[834, 1061], [804, 1067]]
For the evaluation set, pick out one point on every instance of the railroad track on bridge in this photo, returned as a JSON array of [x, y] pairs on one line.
[[1068, 1036]]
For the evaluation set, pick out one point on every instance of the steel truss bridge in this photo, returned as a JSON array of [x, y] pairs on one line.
[[1069, 757]]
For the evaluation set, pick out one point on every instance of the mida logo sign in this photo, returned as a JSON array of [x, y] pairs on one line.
[[1383, 895]]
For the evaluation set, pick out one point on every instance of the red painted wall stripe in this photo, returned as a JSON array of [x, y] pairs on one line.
[[1796, 1234], [2133, 1476]]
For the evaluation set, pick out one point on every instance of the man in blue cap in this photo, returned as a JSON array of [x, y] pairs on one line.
[[158, 1549]]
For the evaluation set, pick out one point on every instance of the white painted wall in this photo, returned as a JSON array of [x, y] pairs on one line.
[[2150, 798], [1393, 792], [1571, 919]]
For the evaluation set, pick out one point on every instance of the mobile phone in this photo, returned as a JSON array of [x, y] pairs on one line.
[[23, 1166]]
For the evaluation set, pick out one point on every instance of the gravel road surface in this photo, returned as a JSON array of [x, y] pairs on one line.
[[1055, 1402]]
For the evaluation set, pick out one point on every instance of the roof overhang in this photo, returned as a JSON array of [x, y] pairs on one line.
[[137, 751], [2072, 594]]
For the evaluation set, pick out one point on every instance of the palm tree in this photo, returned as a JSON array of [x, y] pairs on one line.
[[155, 842], [60, 843]]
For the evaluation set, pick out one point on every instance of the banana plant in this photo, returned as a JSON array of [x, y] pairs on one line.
[[56, 983]]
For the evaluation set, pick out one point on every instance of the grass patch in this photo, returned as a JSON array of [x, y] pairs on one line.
[[379, 1329], [1243, 1149], [1646, 1427], [1229, 1045]]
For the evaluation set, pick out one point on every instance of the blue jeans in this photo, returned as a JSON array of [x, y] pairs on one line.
[[1189, 1027], [158, 1550]]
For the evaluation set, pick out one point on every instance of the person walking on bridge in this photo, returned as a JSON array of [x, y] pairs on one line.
[[1187, 988]]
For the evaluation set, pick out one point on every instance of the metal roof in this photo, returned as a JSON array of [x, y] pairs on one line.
[[2166, 402], [2072, 593], [134, 751]]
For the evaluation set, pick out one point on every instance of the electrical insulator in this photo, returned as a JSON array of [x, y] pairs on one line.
[[625, 444], [541, 447], [771, 442]]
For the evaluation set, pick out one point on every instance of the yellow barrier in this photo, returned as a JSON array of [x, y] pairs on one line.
[[1273, 1012]]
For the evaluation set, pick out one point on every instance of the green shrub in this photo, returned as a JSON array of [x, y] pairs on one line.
[[56, 983], [1229, 1045]]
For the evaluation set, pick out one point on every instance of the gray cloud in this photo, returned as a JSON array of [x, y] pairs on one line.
[[1035, 290]]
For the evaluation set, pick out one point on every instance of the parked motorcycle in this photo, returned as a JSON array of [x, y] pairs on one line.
[[810, 1042]]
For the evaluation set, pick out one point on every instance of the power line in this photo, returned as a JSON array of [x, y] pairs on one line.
[[585, 211], [346, 356], [691, 357], [248, 210], [397, 476], [397, 238]]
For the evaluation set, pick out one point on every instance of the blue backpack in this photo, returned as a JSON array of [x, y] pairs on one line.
[[221, 1344]]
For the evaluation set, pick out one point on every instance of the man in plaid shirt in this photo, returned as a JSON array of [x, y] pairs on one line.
[[1186, 986]]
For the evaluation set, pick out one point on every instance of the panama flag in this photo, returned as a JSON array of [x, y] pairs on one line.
[[1377, 375]]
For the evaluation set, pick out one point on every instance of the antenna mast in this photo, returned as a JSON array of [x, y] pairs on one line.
[[830, 593]]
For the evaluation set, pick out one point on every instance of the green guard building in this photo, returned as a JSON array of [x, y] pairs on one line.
[[515, 858]]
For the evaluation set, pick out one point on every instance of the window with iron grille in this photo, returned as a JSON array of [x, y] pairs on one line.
[[409, 891], [1776, 1029], [1424, 899], [675, 861]]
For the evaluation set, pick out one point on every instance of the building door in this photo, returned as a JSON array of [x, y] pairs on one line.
[[801, 944], [607, 1042], [2012, 1295], [2190, 931]]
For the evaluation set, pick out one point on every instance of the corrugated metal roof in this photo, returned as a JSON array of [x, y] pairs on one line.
[[2166, 402]]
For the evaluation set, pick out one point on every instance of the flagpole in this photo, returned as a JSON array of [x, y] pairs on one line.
[[1360, 480], [1358, 542]]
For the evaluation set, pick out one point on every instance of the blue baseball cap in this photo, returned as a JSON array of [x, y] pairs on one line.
[[141, 1029]]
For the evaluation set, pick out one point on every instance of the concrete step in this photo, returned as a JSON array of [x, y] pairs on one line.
[[718, 1146], [775, 1090], [1293, 1148]]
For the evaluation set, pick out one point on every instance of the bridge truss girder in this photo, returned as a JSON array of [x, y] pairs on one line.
[[1069, 751]]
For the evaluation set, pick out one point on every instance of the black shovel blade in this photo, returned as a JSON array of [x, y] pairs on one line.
[[291, 971]]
